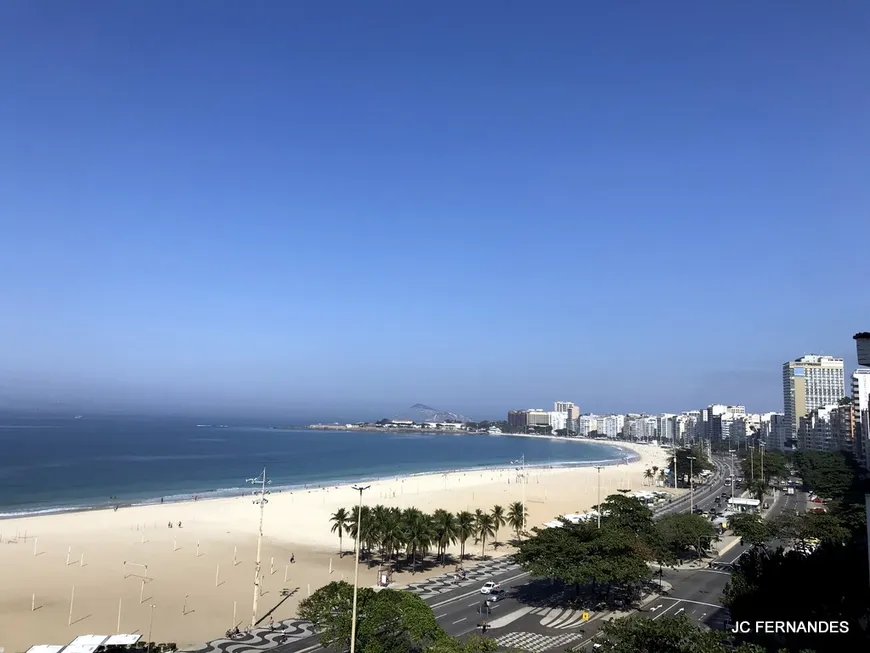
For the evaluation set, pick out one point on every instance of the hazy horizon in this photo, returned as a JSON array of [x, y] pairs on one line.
[[299, 210]]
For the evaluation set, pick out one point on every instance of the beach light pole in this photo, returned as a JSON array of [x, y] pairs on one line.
[[261, 500], [150, 625], [598, 508], [521, 470], [360, 489], [691, 485]]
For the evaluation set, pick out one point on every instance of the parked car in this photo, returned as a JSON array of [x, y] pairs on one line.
[[489, 587]]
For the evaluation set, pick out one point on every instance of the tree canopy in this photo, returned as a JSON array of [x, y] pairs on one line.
[[389, 621], [669, 634], [609, 562], [682, 533], [751, 528]]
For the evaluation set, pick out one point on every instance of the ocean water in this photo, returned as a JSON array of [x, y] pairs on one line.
[[52, 464]]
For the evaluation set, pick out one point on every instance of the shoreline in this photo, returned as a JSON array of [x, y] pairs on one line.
[[199, 576], [629, 456]]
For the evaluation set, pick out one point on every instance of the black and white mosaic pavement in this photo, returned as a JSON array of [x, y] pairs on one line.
[[474, 576], [537, 643], [259, 638]]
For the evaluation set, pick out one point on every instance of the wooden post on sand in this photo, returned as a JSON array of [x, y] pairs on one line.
[[286, 570], [72, 599], [235, 562], [82, 560], [119, 617], [142, 592], [234, 614], [272, 567], [217, 575], [33, 603], [197, 548], [174, 544], [184, 607], [35, 542], [68, 553], [330, 565]]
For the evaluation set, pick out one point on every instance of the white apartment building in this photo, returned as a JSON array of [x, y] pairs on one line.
[[809, 382], [613, 425], [860, 407], [558, 420], [666, 427], [826, 429], [586, 424]]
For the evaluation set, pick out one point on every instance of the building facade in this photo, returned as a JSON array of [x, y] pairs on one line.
[[810, 382]]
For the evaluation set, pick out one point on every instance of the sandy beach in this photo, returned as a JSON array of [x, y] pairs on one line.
[[109, 562]]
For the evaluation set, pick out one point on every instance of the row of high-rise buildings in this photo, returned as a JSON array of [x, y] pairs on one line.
[[818, 415]]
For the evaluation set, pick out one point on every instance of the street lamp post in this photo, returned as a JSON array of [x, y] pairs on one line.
[[752, 461], [261, 493], [761, 447], [360, 489], [598, 508], [731, 467], [522, 474], [691, 484]]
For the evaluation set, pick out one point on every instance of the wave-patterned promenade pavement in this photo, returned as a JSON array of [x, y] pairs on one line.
[[259, 639], [263, 639]]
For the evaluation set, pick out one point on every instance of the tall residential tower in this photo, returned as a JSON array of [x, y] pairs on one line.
[[810, 382]]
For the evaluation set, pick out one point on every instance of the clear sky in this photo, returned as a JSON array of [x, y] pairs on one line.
[[345, 208]]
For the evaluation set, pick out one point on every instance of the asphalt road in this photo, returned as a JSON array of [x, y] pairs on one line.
[[534, 605]]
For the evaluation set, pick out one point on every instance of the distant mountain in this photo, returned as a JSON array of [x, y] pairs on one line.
[[424, 413]]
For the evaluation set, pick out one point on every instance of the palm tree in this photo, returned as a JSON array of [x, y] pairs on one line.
[[648, 475], [655, 468], [662, 476], [361, 527], [340, 524], [498, 520], [418, 533], [516, 517], [485, 528], [465, 528], [444, 527], [477, 515]]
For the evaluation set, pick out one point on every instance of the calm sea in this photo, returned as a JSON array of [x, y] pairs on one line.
[[49, 464]]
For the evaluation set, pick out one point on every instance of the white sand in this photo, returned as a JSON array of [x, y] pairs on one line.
[[189, 608]]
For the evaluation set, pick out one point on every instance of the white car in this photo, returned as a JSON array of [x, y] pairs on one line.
[[489, 587]]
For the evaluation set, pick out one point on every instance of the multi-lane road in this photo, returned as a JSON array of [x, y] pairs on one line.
[[532, 615]]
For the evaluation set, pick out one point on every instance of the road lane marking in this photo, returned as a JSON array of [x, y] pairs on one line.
[[712, 605], [459, 621], [710, 571], [473, 592], [675, 604], [472, 604], [439, 616]]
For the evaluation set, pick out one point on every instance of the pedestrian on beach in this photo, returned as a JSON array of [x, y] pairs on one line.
[[292, 558], [179, 524]]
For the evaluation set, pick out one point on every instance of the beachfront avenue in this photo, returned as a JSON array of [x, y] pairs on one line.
[[532, 608]]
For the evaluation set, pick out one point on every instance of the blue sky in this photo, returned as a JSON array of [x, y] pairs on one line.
[[341, 209]]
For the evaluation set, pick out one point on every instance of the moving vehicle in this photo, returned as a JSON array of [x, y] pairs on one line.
[[495, 595], [789, 490], [489, 587]]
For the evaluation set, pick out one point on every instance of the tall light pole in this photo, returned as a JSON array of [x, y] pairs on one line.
[[752, 462], [360, 489], [261, 500], [150, 624], [691, 485], [761, 446], [731, 467], [598, 509], [521, 470]]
